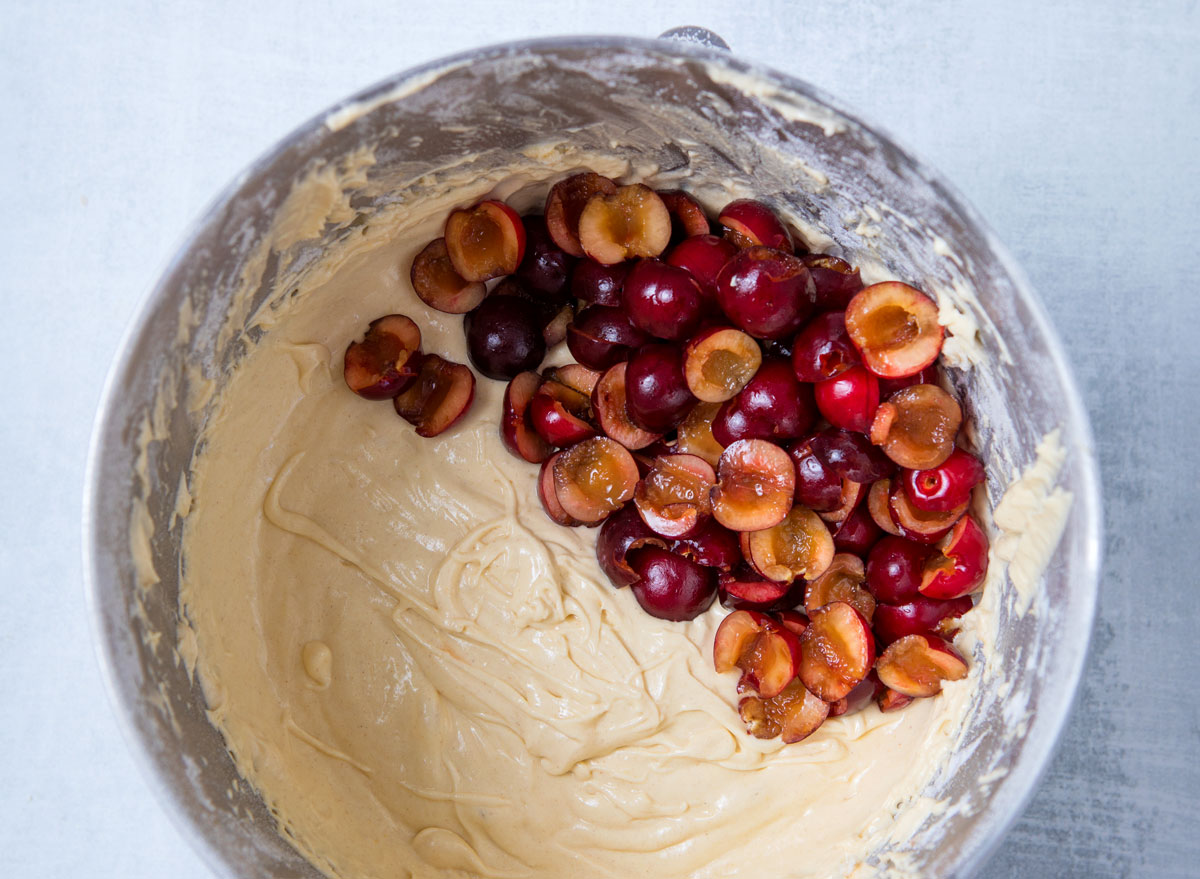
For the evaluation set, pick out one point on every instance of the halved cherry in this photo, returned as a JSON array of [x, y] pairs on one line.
[[384, 363], [631, 222], [743, 588], [663, 300], [917, 617], [753, 223], [594, 478], [756, 481], [720, 361], [889, 700], [799, 547], [438, 284], [516, 429], [895, 327], [669, 586], [485, 241], [857, 533], [549, 498], [894, 569], [704, 256], [712, 545], [918, 524], [602, 335], [852, 455], [842, 581], [946, 486], [771, 660], [849, 400], [853, 494], [608, 406], [621, 533], [734, 636], [575, 376], [765, 292], [687, 216], [817, 486], [440, 396], [823, 349], [694, 435], [674, 496], [837, 651], [916, 665], [656, 391], [960, 567], [879, 504], [566, 202], [559, 414], [793, 715], [916, 426], [836, 280], [774, 405]]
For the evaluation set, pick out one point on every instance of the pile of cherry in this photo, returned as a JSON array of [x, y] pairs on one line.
[[744, 420]]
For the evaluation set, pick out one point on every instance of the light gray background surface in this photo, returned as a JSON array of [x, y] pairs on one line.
[[1073, 126]]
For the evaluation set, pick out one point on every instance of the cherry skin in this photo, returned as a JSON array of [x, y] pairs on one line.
[[946, 486], [504, 337], [823, 348], [704, 256], [818, 487], [849, 400], [657, 396], [663, 300], [895, 567], [671, 587], [599, 284]]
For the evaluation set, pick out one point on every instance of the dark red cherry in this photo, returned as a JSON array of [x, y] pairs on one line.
[[852, 455], [818, 487], [917, 617], [545, 268], [599, 284], [712, 545], [671, 587], [895, 567], [602, 336], [704, 256], [836, 281], [622, 532], [857, 533], [823, 348], [767, 293], [849, 401], [774, 405], [657, 396], [663, 300], [504, 337]]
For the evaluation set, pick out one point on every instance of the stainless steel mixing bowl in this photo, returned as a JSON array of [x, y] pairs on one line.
[[682, 106]]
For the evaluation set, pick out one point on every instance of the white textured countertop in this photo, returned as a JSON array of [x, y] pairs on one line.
[[1073, 126]]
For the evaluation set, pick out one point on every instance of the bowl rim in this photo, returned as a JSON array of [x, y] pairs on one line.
[[1078, 438]]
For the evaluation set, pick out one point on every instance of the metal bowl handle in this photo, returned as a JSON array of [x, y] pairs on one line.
[[692, 34]]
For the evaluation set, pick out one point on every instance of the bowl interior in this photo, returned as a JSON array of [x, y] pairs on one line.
[[686, 110]]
